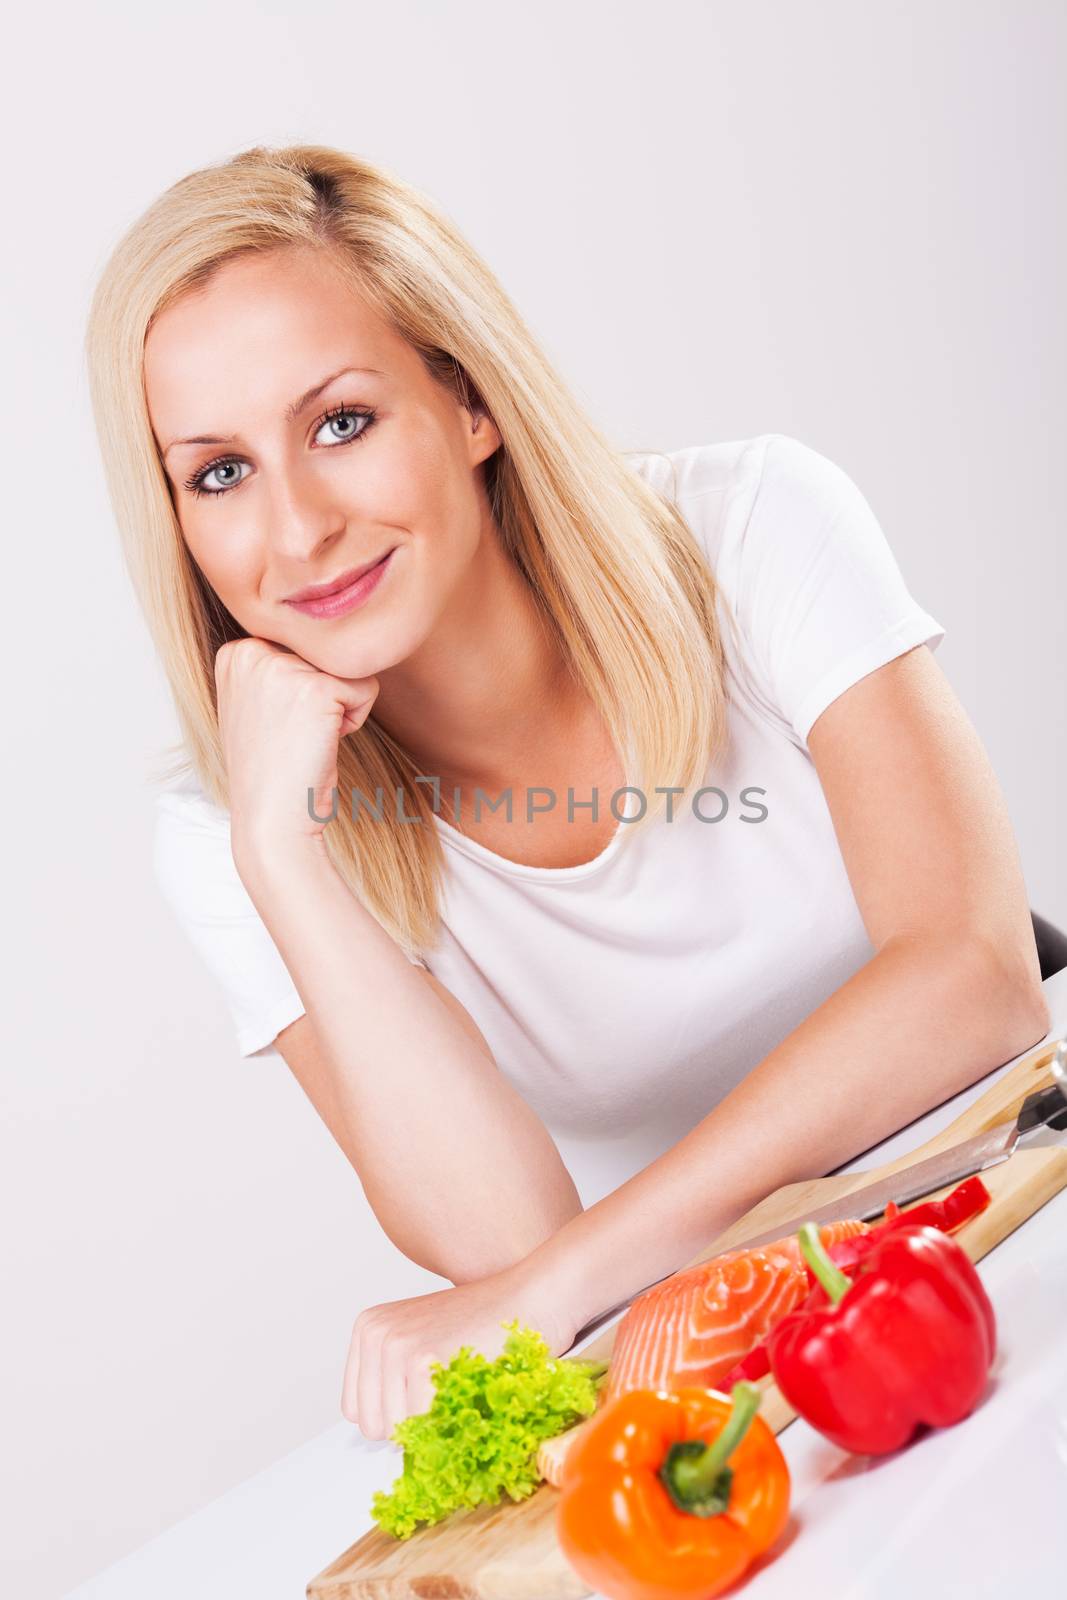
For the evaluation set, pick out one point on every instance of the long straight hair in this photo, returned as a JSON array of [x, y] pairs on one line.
[[615, 572]]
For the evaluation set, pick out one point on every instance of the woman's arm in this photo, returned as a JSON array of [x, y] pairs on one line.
[[461, 1173], [953, 991]]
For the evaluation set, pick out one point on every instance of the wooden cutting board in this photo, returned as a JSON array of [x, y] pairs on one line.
[[509, 1551]]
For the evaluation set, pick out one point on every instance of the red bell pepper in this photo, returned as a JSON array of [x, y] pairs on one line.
[[909, 1341], [965, 1201]]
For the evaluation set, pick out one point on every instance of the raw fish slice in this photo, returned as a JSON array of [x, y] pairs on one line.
[[698, 1323], [708, 1318]]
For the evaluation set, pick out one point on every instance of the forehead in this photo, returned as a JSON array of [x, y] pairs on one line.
[[261, 331]]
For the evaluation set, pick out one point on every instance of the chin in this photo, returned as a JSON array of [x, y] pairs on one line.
[[355, 658]]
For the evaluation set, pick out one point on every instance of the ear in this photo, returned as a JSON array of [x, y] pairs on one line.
[[476, 408], [483, 429]]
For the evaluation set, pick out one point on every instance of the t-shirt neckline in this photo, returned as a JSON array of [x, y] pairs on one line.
[[521, 869]]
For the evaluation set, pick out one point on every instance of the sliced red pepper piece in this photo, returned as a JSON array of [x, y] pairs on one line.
[[966, 1201], [755, 1365]]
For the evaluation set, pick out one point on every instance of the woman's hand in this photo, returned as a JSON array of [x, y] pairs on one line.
[[280, 721], [387, 1376]]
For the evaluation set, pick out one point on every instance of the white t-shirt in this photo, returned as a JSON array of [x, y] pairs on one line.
[[625, 996]]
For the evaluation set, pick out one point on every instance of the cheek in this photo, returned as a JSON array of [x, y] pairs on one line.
[[414, 475], [232, 566], [403, 479]]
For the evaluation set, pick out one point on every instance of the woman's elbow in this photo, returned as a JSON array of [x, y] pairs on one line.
[[509, 1246], [487, 1251], [1032, 1020], [1007, 983]]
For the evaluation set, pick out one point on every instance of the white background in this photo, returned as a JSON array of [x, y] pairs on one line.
[[837, 220]]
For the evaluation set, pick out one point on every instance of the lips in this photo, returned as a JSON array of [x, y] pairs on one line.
[[319, 591]]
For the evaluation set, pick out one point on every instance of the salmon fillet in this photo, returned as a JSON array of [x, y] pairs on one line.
[[698, 1323]]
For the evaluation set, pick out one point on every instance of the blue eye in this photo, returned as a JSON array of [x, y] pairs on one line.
[[344, 414], [197, 484]]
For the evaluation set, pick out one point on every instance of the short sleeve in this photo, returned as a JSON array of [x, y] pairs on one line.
[[194, 869], [815, 588]]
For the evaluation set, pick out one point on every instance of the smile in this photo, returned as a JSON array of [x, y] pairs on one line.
[[335, 605]]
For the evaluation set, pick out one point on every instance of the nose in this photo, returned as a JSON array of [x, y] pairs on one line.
[[304, 519]]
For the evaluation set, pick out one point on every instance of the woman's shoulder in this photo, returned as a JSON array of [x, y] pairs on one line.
[[713, 485], [722, 487], [696, 469], [727, 465], [184, 801], [191, 856]]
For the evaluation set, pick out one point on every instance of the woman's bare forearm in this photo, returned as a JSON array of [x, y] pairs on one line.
[[911, 1028], [461, 1173]]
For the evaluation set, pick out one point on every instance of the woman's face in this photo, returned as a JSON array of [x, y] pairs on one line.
[[273, 495]]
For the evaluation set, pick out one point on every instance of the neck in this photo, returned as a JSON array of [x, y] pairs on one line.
[[488, 697]]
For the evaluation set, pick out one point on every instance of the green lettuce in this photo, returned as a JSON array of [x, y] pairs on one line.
[[479, 1438]]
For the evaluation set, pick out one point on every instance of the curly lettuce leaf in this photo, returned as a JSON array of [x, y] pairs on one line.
[[479, 1439]]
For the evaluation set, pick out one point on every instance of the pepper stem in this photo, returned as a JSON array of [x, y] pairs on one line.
[[829, 1275], [697, 1476]]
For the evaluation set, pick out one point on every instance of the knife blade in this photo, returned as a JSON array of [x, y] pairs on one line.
[[1044, 1109]]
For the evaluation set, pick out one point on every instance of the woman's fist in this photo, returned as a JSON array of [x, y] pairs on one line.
[[280, 721]]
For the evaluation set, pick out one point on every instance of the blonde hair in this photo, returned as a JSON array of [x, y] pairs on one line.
[[615, 572]]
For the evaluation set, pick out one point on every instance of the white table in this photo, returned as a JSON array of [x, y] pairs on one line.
[[972, 1511]]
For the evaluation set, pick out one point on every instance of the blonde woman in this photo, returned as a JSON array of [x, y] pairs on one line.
[[757, 899]]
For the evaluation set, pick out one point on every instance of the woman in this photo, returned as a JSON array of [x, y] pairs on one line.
[[795, 918]]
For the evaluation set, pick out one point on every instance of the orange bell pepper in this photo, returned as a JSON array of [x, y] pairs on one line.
[[672, 1495]]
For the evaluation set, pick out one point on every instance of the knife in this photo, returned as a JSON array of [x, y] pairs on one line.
[[1044, 1109]]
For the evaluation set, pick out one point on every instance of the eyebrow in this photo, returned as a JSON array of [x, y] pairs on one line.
[[291, 411]]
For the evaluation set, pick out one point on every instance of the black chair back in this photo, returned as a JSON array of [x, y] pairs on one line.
[[1051, 946]]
